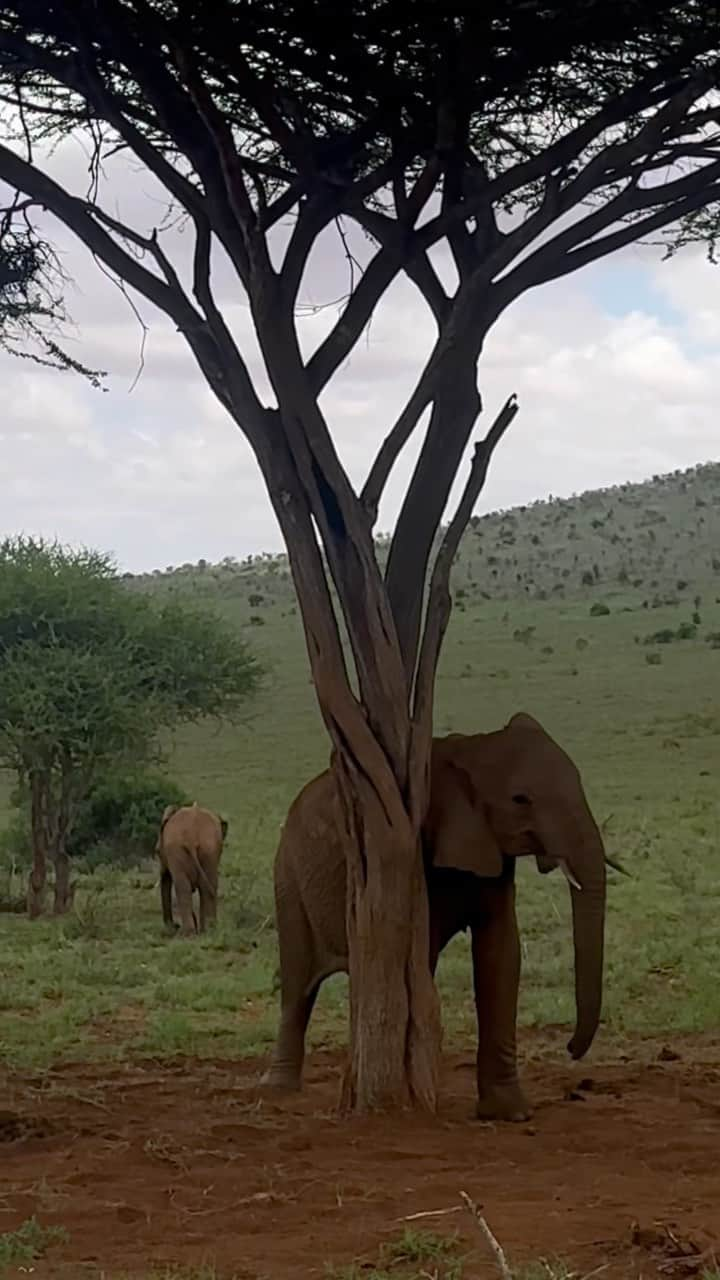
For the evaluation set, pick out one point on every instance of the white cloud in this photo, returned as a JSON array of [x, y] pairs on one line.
[[615, 382]]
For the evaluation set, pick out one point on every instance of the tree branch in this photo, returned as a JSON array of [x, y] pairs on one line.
[[222, 140], [629, 234], [377, 277], [639, 98], [555, 259], [439, 607]]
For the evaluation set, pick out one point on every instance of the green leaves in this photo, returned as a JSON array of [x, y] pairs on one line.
[[90, 672]]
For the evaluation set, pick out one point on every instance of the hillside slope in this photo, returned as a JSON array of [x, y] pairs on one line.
[[656, 538]]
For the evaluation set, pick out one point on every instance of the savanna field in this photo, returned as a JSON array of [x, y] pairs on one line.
[[133, 1140]]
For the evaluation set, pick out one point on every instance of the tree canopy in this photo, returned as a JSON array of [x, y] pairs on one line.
[[480, 150], [90, 674]]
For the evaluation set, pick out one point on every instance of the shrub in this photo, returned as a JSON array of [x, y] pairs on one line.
[[116, 823], [120, 818], [599, 610], [653, 659], [665, 636]]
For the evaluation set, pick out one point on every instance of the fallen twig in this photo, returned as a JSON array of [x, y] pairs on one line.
[[430, 1213], [495, 1245]]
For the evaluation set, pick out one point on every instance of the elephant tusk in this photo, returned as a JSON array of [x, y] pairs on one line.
[[617, 866], [568, 874]]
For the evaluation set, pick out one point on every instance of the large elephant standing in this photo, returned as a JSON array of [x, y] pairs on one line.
[[494, 797]]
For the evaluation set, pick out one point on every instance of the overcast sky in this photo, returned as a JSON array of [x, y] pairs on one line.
[[617, 370]]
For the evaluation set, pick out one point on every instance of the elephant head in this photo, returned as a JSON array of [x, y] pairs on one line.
[[167, 814], [516, 792]]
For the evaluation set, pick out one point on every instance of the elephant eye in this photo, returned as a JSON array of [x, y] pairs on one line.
[[519, 798]]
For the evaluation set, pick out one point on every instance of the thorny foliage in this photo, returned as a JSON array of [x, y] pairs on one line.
[[32, 310], [311, 98]]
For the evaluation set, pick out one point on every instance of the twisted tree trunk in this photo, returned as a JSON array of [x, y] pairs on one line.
[[395, 1027]]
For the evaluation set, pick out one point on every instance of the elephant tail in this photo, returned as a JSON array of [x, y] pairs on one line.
[[194, 854]]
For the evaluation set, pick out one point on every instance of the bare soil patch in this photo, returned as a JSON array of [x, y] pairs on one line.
[[185, 1162]]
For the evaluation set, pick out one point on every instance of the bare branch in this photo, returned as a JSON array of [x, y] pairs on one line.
[[148, 244], [630, 234], [641, 97], [439, 603], [377, 277], [676, 198], [314, 214], [220, 136], [498, 1251]]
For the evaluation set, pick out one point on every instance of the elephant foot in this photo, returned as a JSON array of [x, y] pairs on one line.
[[502, 1102], [281, 1080]]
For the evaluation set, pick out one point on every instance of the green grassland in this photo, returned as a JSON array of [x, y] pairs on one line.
[[642, 720]]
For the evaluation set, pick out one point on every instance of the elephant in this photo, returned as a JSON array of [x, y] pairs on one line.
[[494, 797], [189, 847]]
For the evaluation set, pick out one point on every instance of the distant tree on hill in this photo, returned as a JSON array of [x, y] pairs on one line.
[[89, 675], [527, 140]]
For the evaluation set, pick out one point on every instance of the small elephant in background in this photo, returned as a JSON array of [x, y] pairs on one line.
[[189, 847]]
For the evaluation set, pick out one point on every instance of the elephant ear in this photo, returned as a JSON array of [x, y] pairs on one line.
[[168, 812], [457, 825]]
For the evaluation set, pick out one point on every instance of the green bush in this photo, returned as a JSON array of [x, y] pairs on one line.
[[686, 631], [665, 636], [599, 610], [117, 823]]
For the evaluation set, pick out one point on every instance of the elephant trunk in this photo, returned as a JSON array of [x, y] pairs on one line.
[[588, 911]]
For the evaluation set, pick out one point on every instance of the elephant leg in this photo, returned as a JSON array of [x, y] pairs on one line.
[[207, 892], [299, 985], [496, 973], [166, 897], [285, 1070], [184, 899]]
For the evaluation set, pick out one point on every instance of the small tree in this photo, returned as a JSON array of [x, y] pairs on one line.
[[526, 140], [89, 674]]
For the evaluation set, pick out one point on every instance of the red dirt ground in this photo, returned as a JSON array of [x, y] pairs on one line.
[[147, 1164]]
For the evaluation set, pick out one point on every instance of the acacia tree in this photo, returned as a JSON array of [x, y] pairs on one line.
[[527, 139], [89, 675]]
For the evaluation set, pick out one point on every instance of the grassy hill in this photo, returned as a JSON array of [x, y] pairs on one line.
[[600, 614], [657, 538]]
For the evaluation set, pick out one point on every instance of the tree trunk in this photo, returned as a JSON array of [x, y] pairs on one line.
[[64, 895], [38, 827], [395, 1028], [64, 891], [381, 746]]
